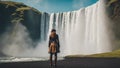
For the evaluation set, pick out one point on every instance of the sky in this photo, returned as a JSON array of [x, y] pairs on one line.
[[54, 6]]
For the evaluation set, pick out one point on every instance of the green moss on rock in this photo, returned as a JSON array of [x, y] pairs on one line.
[[10, 3]]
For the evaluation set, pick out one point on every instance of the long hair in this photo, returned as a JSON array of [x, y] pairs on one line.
[[53, 33]]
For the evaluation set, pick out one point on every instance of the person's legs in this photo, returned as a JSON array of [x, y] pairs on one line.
[[51, 59], [55, 59]]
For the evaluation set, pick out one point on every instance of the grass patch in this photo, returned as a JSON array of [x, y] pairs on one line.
[[20, 7], [23, 8], [10, 3], [111, 1], [109, 54], [114, 54]]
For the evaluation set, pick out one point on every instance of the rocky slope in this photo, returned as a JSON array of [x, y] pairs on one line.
[[13, 12], [113, 9]]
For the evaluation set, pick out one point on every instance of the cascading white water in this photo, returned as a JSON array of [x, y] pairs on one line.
[[84, 31]]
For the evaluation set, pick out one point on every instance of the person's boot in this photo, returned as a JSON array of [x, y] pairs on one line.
[[55, 65], [55, 62], [51, 64]]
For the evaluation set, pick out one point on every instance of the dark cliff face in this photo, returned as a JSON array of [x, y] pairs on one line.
[[12, 12], [113, 9]]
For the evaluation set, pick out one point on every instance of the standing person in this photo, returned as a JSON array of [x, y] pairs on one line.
[[54, 46]]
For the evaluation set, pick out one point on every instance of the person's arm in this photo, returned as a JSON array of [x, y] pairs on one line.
[[49, 41], [58, 43], [49, 49]]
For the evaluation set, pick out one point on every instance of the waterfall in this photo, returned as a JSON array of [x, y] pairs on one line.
[[84, 31], [44, 26]]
